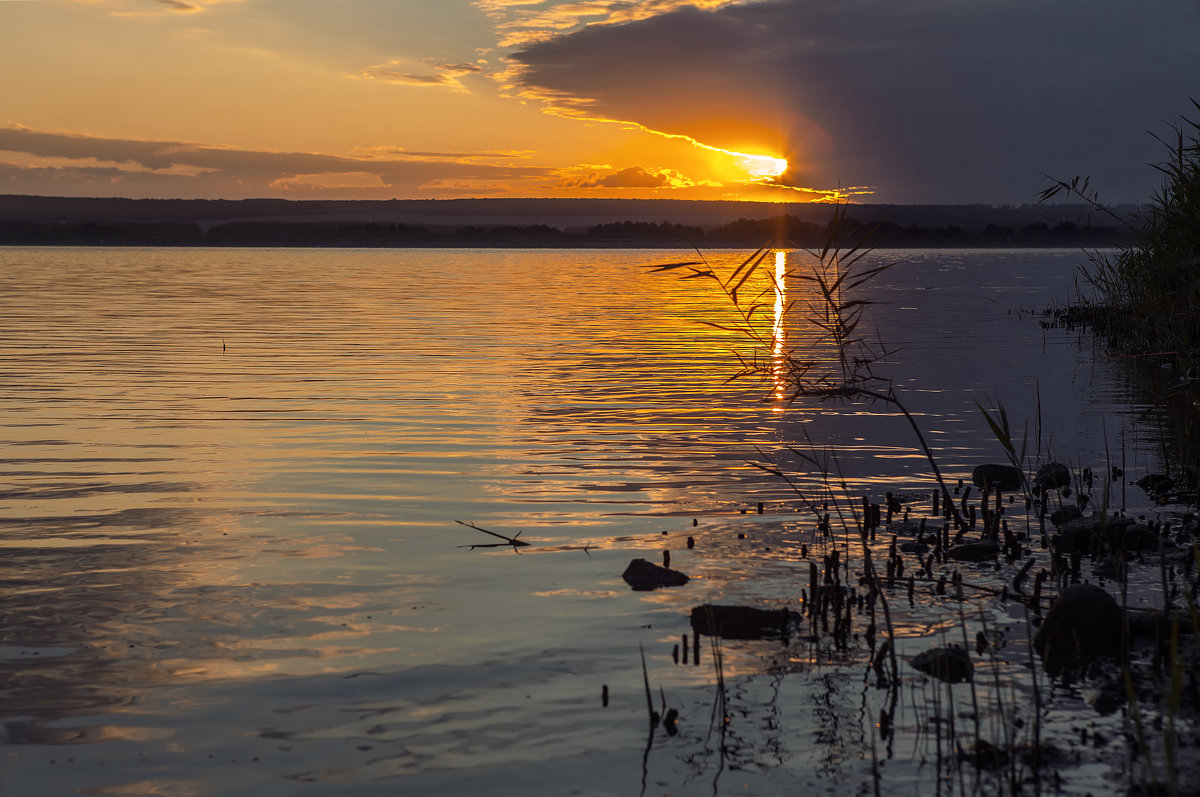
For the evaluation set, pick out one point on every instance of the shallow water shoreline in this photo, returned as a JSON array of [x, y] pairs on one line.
[[230, 529]]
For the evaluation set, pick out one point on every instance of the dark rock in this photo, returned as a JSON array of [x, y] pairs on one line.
[[1155, 484], [905, 528], [1052, 476], [1083, 533], [743, 622], [1082, 625], [985, 755], [1158, 625], [1108, 697], [1149, 624], [1139, 538], [974, 552], [996, 477], [643, 575], [1063, 514], [950, 664], [914, 547]]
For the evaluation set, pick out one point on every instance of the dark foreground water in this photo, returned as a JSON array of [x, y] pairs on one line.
[[229, 562]]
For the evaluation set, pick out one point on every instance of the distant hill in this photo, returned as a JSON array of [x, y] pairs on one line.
[[527, 222]]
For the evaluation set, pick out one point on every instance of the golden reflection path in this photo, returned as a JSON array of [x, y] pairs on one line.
[[778, 333]]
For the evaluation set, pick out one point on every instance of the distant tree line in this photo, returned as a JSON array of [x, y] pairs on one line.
[[781, 230]]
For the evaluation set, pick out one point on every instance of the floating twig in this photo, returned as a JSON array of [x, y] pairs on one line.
[[513, 541]]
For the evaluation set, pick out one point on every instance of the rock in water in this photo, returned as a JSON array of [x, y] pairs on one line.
[[1052, 476], [951, 664], [644, 576], [974, 552], [743, 622], [1156, 485], [1064, 514], [1084, 534], [993, 477], [1140, 538], [1082, 625]]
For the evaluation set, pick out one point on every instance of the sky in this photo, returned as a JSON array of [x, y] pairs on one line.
[[882, 101]]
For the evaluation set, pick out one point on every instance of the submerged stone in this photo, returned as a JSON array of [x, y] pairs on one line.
[[974, 552], [906, 528], [985, 755], [1156, 485], [1108, 697], [644, 576], [1065, 513], [743, 622], [1140, 538], [993, 477], [950, 664], [1083, 534], [1052, 476]]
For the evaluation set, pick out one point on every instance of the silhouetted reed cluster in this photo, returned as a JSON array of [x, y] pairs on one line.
[[969, 557], [1146, 297]]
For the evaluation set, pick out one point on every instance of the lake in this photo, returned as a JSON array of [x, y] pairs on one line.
[[229, 556]]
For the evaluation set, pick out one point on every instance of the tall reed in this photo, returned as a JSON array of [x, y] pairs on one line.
[[836, 270], [1147, 297]]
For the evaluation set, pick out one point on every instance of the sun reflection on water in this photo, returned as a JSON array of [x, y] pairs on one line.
[[778, 333]]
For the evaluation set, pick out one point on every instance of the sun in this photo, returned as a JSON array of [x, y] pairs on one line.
[[761, 166]]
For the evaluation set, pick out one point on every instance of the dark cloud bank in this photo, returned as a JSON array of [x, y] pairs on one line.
[[925, 101]]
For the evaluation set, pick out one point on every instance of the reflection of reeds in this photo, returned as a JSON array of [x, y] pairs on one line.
[[837, 270], [1011, 751], [653, 717]]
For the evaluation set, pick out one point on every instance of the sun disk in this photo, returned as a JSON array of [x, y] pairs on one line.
[[760, 166]]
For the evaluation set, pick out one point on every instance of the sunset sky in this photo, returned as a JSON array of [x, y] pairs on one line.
[[921, 101]]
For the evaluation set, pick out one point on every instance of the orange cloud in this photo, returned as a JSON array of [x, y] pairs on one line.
[[329, 180], [178, 5], [443, 75], [631, 177], [521, 26], [73, 164], [134, 8], [32, 159]]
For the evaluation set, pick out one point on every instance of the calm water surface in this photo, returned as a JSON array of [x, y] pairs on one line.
[[229, 562]]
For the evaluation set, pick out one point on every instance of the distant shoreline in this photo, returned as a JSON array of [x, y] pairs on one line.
[[538, 223], [564, 247]]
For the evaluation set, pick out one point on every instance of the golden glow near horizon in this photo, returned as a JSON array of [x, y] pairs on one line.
[[756, 168], [118, 98]]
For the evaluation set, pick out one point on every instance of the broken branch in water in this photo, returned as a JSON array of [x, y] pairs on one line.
[[513, 541]]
